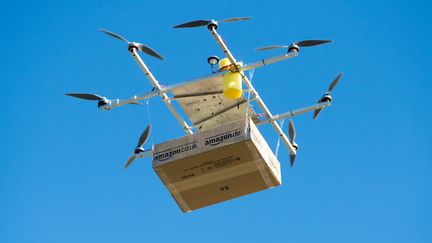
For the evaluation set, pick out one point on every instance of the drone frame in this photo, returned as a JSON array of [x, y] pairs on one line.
[[163, 91]]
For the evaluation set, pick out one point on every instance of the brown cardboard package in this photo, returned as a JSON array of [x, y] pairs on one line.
[[216, 165]]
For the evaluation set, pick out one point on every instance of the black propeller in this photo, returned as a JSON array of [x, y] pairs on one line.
[[85, 96], [326, 97], [292, 135], [143, 48], [141, 141], [199, 23], [101, 100], [305, 43]]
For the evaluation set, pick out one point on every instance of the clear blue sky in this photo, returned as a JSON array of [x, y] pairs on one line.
[[363, 172]]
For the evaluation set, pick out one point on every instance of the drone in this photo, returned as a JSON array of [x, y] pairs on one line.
[[216, 98]]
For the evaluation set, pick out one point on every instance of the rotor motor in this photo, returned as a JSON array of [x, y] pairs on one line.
[[293, 47], [103, 101], [212, 25], [138, 150], [326, 98], [295, 145], [132, 46]]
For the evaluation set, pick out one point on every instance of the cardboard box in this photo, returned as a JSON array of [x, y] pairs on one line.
[[216, 165]]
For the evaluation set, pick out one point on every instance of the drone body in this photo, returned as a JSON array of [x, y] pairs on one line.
[[224, 96]]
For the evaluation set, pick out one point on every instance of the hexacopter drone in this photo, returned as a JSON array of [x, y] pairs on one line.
[[218, 98]]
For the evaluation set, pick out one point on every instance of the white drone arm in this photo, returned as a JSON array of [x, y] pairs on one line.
[[146, 153], [158, 88], [270, 60], [248, 84], [296, 112], [116, 103], [162, 91]]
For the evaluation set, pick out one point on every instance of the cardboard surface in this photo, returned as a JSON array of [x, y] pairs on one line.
[[216, 165], [211, 111]]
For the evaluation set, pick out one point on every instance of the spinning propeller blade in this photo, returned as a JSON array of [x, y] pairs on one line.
[[192, 24], [85, 96], [114, 35], [129, 162], [102, 100], [141, 47], [292, 131], [149, 51], [335, 82], [199, 23], [235, 19], [292, 159], [316, 113], [144, 136], [141, 141], [305, 43], [327, 94], [292, 135], [308, 43]]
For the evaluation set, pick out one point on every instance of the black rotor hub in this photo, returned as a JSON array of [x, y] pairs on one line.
[[102, 102], [326, 98], [138, 150], [293, 47], [295, 145], [131, 47], [212, 25]]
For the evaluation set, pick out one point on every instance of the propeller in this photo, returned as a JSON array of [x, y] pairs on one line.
[[85, 96], [102, 100], [292, 135], [141, 141], [199, 23], [143, 48], [327, 96], [305, 43]]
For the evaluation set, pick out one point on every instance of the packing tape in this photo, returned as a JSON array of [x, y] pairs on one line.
[[262, 168], [174, 192], [178, 198], [264, 150]]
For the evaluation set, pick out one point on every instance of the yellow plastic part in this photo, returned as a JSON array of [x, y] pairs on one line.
[[232, 85], [224, 64]]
